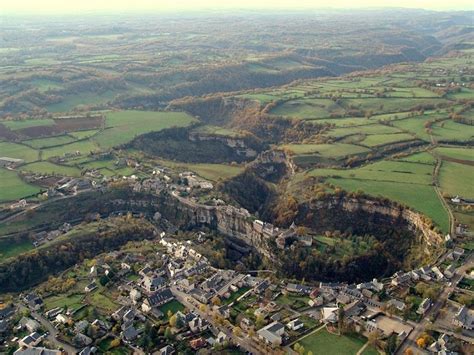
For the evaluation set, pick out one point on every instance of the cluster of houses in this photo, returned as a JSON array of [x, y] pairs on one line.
[[42, 237], [182, 270]]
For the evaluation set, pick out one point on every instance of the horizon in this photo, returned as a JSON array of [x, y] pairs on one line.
[[86, 7]]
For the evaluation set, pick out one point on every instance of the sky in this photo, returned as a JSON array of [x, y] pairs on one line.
[[76, 6]]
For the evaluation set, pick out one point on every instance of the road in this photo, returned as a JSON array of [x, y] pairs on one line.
[[245, 343], [53, 332], [419, 328]]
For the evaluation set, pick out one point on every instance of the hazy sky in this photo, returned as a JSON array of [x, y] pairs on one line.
[[61, 6]]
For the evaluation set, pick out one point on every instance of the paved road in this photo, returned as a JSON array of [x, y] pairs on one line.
[[419, 328], [245, 343]]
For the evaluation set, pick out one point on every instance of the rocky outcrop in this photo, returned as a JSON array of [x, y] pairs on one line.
[[362, 216]]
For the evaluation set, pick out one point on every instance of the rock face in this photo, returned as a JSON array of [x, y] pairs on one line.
[[363, 216]]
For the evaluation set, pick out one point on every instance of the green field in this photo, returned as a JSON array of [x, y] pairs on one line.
[[456, 153], [73, 302], [457, 179], [451, 131], [173, 306], [18, 151], [83, 134], [11, 248], [49, 142], [307, 108], [102, 302], [212, 172], [383, 139], [332, 151], [406, 182], [48, 168], [13, 188], [123, 126], [323, 342], [83, 147], [20, 124], [423, 158]]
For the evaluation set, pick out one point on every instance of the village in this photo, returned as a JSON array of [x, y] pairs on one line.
[[201, 307]]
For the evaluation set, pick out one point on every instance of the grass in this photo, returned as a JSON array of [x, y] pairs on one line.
[[423, 158], [323, 342], [451, 131], [83, 147], [173, 306], [48, 168], [408, 183], [383, 139], [73, 301], [421, 198], [294, 301], [84, 134], [332, 151], [123, 126], [18, 151], [457, 179], [307, 108], [102, 302], [48, 142], [13, 188], [20, 124], [10, 248], [212, 172], [456, 153], [236, 295], [368, 129]]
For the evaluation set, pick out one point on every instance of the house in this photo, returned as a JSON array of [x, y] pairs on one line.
[[317, 301], [130, 333], [197, 343], [33, 301], [167, 350], [437, 272], [90, 287], [63, 319], [221, 338], [80, 327], [424, 306], [397, 304], [272, 333], [400, 279], [153, 283], [330, 314], [31, 340], [157, 299], [450, 271], [294, 288], [135, 296], [29, 324], [464, 318], [81, 340], [458, 252], [198, 325], [295, 324], [6, 312]]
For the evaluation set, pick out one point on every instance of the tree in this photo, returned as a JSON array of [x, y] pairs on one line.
[[421, 342], [237, 331], [115, 343], [259, 322], [216, 301], [408, 352], [168, 333], [173, 320]]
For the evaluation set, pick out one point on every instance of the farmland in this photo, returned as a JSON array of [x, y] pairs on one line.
[[79, 141]]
